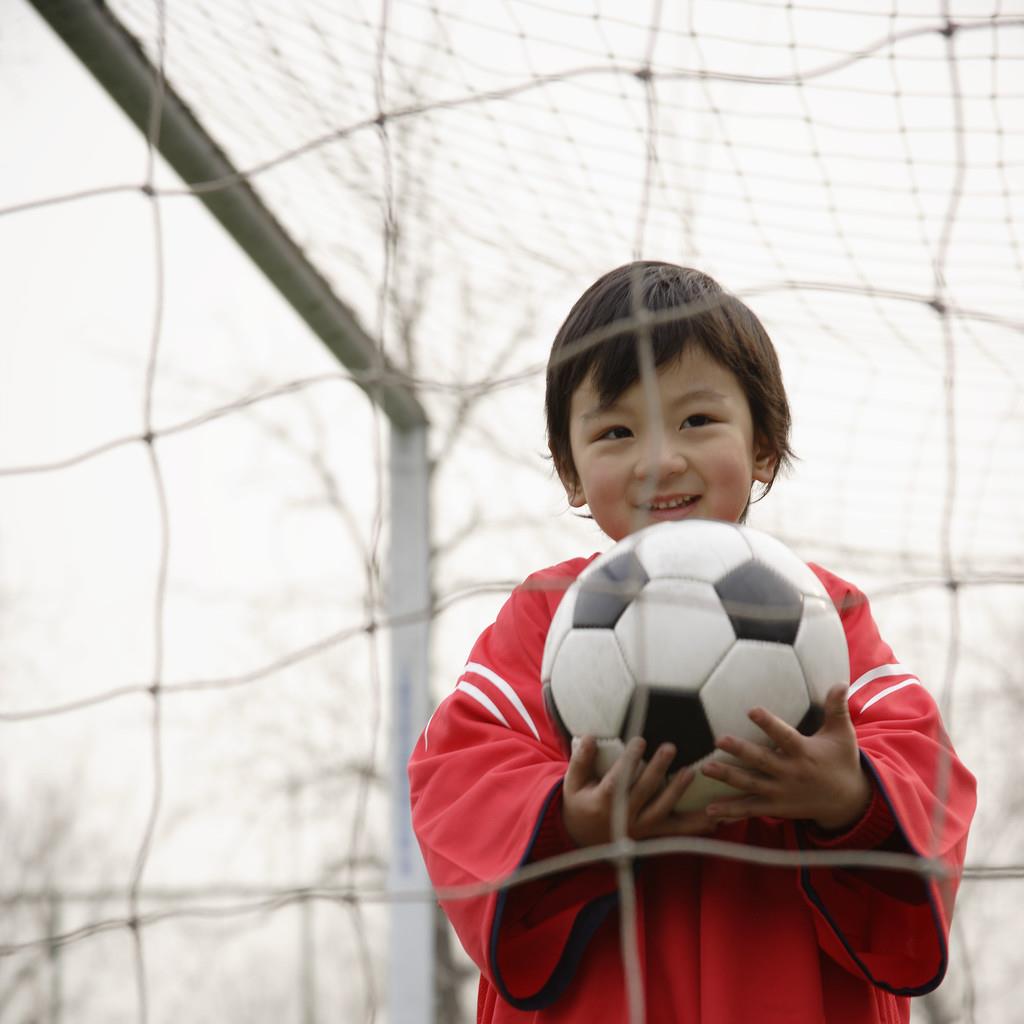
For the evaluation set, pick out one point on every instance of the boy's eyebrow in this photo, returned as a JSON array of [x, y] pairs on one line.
[[696, 395], [599, 410], [699, 395]]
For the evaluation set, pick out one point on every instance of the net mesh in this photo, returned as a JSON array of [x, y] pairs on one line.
[[194, 495]]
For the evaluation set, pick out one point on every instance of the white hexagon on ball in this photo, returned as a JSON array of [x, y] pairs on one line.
[[754, 674], [674, 633], [820, 647], [598, 708], [559, 628], [697, 549]]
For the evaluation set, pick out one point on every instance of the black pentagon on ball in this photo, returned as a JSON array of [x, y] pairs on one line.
[[812, 721], [760, 603], [670, 716], [605, 594], [556, 719]]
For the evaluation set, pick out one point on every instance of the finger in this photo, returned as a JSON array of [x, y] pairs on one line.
[[651, 779], [837, 709], [737, 809], [781, 733], [689, 823], [624, 771], [753, 755], [663, 805], [660, 818], [739, 778], [581, 765]]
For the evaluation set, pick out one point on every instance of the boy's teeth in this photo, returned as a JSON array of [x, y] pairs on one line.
[[660, 506]]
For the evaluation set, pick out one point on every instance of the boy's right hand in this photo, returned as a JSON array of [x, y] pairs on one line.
[[587, 801]]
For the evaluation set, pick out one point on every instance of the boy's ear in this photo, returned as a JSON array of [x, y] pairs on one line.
[[570, 482], [574, 494], [765, 461]]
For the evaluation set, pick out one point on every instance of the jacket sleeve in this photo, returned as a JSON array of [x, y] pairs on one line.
[[892, 927], [485, 785]]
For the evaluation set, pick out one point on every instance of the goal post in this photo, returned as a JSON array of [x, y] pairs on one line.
[[411, 945]]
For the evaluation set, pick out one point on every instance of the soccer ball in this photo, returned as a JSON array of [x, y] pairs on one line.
[[678, 631]]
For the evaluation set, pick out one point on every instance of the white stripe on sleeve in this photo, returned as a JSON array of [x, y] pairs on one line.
[[426, 729], [890, 689], [877, 673], [478, 695], [513, 697]]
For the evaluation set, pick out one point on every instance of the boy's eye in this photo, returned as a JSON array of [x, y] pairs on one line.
[[615, 433], [696, 420]]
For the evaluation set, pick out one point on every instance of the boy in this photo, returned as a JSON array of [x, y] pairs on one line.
[[720, 941]]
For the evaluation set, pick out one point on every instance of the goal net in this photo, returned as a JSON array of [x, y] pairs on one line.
[[195, 499]]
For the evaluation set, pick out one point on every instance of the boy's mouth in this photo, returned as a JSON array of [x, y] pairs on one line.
[[670, 503]]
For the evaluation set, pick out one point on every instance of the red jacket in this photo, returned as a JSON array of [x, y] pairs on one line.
[[720, 941]]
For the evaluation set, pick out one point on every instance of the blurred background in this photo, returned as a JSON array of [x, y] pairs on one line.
[[198, 487]]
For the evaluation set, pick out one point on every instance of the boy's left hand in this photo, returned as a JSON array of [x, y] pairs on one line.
[[816, 778]]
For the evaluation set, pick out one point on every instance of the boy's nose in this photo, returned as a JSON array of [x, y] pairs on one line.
[[660, 462]]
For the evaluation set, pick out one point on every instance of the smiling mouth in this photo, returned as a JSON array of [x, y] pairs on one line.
[[667, 504]]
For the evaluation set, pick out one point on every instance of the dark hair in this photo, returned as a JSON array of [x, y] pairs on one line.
[[676, 307]]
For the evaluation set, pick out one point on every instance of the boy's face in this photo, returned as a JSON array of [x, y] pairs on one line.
[[692, 456]]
